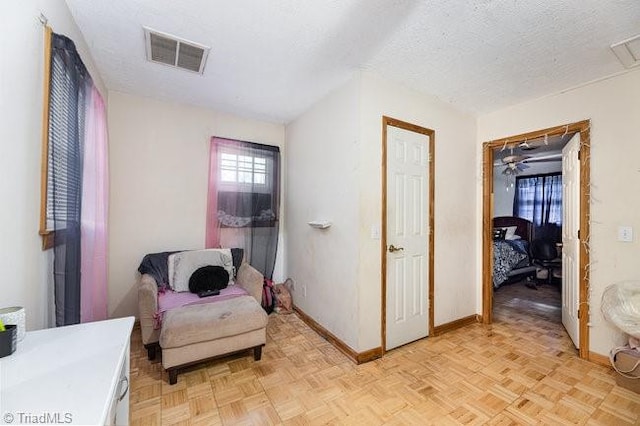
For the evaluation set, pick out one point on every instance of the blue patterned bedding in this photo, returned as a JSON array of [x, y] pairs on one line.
[[507, 256]]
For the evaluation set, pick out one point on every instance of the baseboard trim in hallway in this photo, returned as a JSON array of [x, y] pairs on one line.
[[454, 325], [357, 357]]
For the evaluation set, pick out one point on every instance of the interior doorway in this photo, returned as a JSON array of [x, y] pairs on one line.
[[407, 232], [580, 303], [528, 182]]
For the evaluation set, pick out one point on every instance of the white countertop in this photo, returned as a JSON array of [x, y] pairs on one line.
[[72, 371]]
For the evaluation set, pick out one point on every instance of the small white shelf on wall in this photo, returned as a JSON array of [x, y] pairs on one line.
[[320, 224]]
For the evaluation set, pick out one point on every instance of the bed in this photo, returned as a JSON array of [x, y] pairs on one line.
[[511, 261]]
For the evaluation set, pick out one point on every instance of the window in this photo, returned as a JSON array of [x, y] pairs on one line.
[[73, 183], [243, 200], [243, 169], [539, 199], [245, 175], [66, 83], [63, 176]]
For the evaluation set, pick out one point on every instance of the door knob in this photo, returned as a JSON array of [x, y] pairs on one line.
[[393, 249]]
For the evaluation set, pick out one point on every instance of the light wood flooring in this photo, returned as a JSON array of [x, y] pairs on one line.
[[521, 370]]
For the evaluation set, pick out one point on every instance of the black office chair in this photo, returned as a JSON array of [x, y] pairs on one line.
[[545, 255]]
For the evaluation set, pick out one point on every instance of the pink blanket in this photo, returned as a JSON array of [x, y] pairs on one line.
[[170, 299]]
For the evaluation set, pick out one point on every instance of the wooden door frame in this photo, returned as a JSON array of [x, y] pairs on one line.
[[388, 121], [583, 127]]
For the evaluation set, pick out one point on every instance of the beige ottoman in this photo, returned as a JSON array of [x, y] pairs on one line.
[[196, 333]]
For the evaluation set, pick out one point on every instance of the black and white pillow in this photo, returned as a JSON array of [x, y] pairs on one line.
[[183, 264]]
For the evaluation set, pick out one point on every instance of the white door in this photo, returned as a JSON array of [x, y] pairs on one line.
[[570, 237], [407, 306]]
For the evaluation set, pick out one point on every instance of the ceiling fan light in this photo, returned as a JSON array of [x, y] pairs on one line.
[[510, 180], [514, 158]]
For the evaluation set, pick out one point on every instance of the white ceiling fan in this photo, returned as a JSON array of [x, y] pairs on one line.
[[516, 164], [551, 157]]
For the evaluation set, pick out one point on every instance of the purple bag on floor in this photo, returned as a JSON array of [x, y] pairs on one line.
[[268, 296]]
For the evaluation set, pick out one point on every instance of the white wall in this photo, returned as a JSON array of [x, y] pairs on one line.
[[503, 196], [159, 159], [322, 184], [25, 267], [334, 153], [613, 106]]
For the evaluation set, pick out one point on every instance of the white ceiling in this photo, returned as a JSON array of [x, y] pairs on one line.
[[272, 59]]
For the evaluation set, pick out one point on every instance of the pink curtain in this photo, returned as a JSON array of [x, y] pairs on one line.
[[95, 207], [212, 236]]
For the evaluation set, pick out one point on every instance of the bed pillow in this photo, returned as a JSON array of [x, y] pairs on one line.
[[183, 264], [511, 233], [499, 233]]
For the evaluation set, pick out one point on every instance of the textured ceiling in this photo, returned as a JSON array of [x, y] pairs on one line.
[[272, 59]]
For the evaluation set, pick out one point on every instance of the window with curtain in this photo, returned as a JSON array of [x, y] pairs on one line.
[[67, 87], [539, 199], [245, 192], [74, 183], [244, 199]]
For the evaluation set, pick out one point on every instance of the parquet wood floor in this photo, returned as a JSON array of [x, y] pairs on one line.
[[521, 370]]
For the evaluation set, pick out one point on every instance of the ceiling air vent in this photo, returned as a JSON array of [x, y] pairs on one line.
[[628, 51], [177, 52]]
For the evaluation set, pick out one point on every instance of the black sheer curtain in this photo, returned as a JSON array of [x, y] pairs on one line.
[[69, 82], [265, 211], [244, 200]]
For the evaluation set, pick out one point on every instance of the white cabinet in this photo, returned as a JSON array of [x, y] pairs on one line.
[[77, 374]]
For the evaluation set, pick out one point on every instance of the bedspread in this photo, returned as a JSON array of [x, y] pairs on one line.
[[506, 255]]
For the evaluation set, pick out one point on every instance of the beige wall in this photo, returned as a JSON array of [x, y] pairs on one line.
[[159, 159], [322, 184], [335, 173], [26, 269], [613, 106]]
